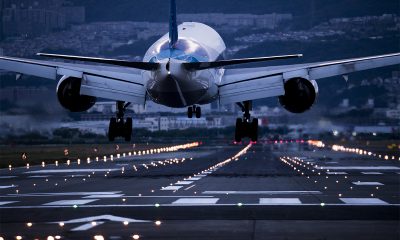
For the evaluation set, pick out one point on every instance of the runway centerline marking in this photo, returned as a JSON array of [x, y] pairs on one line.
[[371, 173], [104, 196], [7, 177], [196, 201], [337, 173], [363, 201], [280, 201], [262, 192], [70, 202], [368, 183]]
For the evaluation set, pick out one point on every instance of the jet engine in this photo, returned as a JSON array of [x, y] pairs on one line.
[[68, 94], [300, 95]]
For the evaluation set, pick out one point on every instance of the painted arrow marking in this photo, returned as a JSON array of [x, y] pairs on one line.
[[91, 222]]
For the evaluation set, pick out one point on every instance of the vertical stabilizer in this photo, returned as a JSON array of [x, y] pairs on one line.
[[173, 26]]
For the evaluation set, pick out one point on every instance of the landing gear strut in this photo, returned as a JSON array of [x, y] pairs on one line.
[[245, 127], [119, 127], [194, 110]]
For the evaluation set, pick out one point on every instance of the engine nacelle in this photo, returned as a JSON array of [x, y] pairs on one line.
[[68, 94], [300, 95]]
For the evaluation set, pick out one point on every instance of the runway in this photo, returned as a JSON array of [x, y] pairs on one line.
[[261, 191]]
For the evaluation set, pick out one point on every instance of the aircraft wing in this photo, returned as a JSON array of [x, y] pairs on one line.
[[243, 84], [115, 83]]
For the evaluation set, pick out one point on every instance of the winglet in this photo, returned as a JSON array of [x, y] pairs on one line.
[[173, 25]]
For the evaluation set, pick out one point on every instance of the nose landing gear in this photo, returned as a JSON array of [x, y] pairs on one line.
[[245, 127], [120, 127], [194, 110]]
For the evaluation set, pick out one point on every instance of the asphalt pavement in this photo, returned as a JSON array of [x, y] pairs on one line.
[[262, 191]]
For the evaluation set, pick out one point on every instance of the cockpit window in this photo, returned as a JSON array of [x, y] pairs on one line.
[[185, 50]]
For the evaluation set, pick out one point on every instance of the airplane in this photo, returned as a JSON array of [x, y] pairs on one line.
[[185, 68]]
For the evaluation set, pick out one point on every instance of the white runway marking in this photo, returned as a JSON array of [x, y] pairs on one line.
[[194, 178], [74, 170], [107, 206], [368, 183], [62, 194], [202, 175], [189, 187], [4, 203], [184, 182], [280, 201], [171, 188], [261, 192], [105, 196], [86, 226], [197, 201], [337, 173], [39, 176], [7, 177], [69, 202], [359, 167], [7, 186], [363, 201], [372, 173]]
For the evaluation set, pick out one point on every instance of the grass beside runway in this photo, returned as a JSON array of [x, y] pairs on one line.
[[36, 154]]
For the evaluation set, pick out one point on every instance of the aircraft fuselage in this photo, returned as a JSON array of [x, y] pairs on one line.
[[171, 84]]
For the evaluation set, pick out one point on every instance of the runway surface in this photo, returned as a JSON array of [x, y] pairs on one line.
[[262, 191]]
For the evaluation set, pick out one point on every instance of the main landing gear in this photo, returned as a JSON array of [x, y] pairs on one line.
[[120, 127], [196, 110], [245, 127]]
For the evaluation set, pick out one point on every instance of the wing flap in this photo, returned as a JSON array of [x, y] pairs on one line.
[[119, 90], [255, 83], [251, 89]]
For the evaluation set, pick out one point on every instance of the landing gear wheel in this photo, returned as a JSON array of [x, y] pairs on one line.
[[128, 129], [254, 130], [198, 112], [238, 130], [190, 112], [112, 129]]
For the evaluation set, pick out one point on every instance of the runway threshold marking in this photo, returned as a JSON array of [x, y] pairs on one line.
[[280, 201], [70, 202], [363, 201], [199, 201], [184, 182], [171, 188], [368, 183], [261, 192]]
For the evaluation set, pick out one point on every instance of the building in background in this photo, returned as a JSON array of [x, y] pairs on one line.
[[30, 18]]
